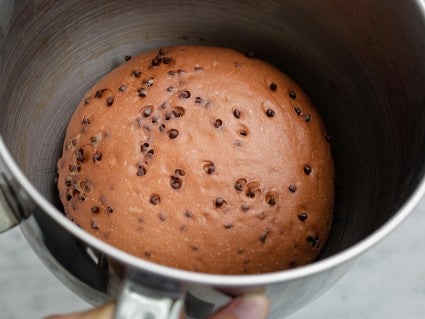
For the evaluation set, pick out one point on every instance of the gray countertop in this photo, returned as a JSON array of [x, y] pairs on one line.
[[387, 282]]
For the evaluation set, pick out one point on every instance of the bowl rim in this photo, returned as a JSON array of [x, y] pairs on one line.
[[216, 280]]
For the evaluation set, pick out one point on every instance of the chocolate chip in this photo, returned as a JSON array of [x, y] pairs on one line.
[[270, 113], [179, 111], [243, 132], [236, 113], [209, 167], [136, 73], [127, 58], [219, 201], [162, 217], [162, 51], [184, 94], [245, 207], [68, 197], [218, 123], [307, 169], [97, 156], [173, 133], [76, 192], [250, 193], [298, 110], [80, 155], [109, 100], [109, 210], [228, 225], [155, 199], [168, 116], [198, 68], [307, 117], [263, 237], [188, 214], [141, 171], [171, 73], [166, 60], [199, 100], [179, 172], [148, 82], [175, 182], [142, 92], [181, 72], [313, 242], [292, 188], [94, 225], [162, 128], [302, 217], [150, 154], [155, 120], [292, 94], [95, 210], [94, 139], [87, 101], [74, 168], [99, 93], [170, 89], [155, 62], [271, 201], [88, 186], [147, 111], [85, 121], [240, 183], [144, 147], [68, 181], [273, 86]]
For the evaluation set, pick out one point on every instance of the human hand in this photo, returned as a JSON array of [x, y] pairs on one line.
[[245, 307]]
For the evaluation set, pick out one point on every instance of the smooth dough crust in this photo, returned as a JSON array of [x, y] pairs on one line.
[[203, 159]]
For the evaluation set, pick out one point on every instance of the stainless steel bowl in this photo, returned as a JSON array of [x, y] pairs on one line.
[[362, 62]]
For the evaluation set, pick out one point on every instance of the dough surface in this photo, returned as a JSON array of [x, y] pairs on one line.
[[203, 159]]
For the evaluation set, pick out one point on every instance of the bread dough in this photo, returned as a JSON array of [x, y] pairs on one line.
[[203, 159]]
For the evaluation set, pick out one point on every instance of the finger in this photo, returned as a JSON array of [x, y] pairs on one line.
[[104, 312], [245, 307]]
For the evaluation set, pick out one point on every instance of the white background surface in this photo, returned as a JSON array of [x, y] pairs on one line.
[[387, 282]]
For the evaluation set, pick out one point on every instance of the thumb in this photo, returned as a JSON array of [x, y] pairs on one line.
[[104, 312], [245, 307]]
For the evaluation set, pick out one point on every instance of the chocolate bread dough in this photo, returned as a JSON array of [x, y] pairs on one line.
[[203, 159]]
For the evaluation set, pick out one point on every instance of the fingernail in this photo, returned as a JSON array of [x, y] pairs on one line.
[[251, 307]]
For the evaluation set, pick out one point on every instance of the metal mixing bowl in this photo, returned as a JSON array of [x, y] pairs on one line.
[[362, 63]]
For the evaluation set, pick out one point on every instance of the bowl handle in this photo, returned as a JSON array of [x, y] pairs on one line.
[[15, 203], [139, 302], [9, 211]]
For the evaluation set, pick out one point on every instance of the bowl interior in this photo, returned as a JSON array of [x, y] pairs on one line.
[[360, 62]]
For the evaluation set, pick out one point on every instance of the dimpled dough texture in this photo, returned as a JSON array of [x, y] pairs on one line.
[[203, 159]]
